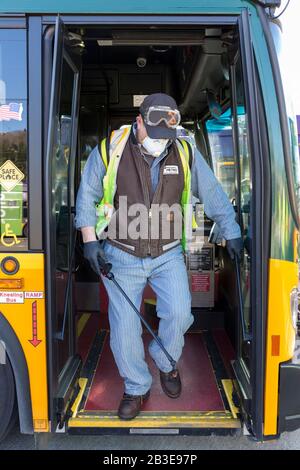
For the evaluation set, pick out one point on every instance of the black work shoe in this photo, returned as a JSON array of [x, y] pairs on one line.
[[130, 405], [171, 383]]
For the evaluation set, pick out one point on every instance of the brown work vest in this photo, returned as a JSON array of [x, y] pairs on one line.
[[134, 182]]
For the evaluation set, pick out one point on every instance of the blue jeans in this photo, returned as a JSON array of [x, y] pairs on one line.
[[167, 276]]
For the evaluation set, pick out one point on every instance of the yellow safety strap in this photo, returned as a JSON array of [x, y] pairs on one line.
[[104, 146], [185, 161], [186, 150], [104, 153]]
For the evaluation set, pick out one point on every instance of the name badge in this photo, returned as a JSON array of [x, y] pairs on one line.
[[171, 170]]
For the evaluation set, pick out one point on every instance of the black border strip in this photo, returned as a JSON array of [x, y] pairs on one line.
[[34, 90], [91, 364], [47, 38], [217, 364], [260, 279]]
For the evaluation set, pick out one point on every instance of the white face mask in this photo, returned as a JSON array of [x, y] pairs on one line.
[[154, 146]]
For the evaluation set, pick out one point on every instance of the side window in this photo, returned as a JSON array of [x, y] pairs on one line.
[[283, 55], [13, 140], [295, 159], [219, 133]]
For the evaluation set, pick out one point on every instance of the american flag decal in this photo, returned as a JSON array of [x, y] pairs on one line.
[[11, 111]]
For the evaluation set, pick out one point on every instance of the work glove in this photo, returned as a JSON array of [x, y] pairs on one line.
[[94, 254], [234, 248]]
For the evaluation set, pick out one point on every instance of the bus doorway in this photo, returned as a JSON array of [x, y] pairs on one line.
[[204, 69]]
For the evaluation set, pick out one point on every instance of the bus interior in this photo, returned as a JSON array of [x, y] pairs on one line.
[[202, 69]]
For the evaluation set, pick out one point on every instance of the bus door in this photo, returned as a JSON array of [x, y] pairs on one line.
[[247, 124], [64, 364], [235, 142]]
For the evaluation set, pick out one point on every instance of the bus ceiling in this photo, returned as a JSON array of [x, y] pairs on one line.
[[198, 58]]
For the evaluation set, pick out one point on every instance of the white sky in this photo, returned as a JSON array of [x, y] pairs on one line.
[[291, 49]]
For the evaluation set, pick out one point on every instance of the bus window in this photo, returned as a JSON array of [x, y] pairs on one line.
[[282, 54], [13, 140], [219, 133], [295, 159]]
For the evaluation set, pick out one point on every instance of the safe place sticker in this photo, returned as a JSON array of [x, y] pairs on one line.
[[10, 175]]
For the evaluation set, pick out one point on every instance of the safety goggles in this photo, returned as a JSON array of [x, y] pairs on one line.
[[157, 114]]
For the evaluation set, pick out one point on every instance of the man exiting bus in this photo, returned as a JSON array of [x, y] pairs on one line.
[[145, 165]]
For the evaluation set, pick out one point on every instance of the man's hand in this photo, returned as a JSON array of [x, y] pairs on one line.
[[234, 247], [94, 254]]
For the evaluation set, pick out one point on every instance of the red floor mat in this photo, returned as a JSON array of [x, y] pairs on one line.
[[200, 391]]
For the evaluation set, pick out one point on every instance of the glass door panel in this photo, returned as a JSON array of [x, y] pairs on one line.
[[61, 155], [244, 185]]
